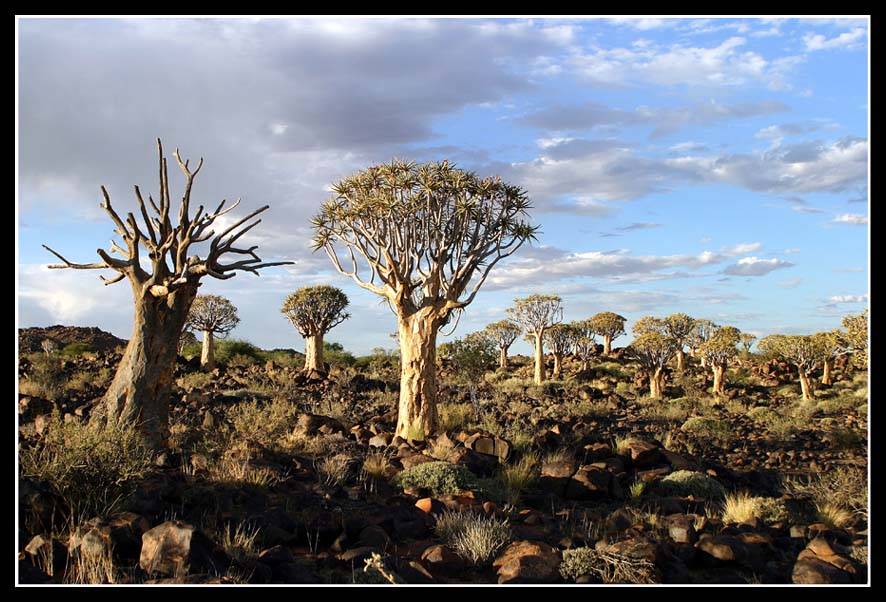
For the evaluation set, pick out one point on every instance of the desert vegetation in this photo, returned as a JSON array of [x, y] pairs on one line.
[[163, 460]]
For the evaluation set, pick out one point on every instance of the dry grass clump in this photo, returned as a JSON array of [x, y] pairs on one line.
[[334, 470], [473, 537], [606, 566], [519, 477]]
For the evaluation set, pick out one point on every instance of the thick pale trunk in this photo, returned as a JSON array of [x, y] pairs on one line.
[[207, 356], [417, 416], [503, 358], [607, 344], [806, 386], [558, 365], [140, 391], [539, 359], [585, 365], [692, 352], [680, 357], [704, 363], [718, 379], [827, 378], [656, 383], [314, 353]]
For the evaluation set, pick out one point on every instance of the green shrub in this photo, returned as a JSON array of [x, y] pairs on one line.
[[75, 349], [264, 423], [455, 416], [45, 379], [440, 478], [683, 483], [90, 466], [709, 429], [225, 350]]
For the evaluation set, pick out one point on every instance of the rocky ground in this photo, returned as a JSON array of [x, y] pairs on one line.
[[274, 476]]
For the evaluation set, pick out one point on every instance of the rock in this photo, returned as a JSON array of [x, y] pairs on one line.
[[618, 521], [679, 462], [374, 536], [28, 573], [489, 445], [314, 424], [594, 452], [357, 555], [440, 559], [822, 562], [724, 547], [482, 465], [415, 460], [47, 552], [643, 453], [381, 440], [813, 570], [528, 562], [175, 548], [589, 483], [120, 536], [555, 475], [640, 547], [276, 555], [430, 506], [681, 528]]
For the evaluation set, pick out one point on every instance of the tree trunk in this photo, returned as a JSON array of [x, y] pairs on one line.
[[418, 375], [585, 365], [539, 359], [207, 356], [680, 357], [704, 362], [656, 383], [806, 386], [558, 365], [607, 344], [718, 379], [314, 353], [140, 391], [827, 378], [503, 358]]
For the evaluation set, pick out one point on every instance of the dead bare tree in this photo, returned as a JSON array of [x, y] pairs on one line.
[[139, 393], [428, 236]]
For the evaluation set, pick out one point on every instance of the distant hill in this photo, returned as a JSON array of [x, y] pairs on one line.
[[29, 339]]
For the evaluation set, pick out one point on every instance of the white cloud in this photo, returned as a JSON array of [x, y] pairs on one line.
[[791, 251], [743, 248], [643, 24], [849, 39], [753, 266], [854, 219], [790, 283], [806, 209], [848, 299]]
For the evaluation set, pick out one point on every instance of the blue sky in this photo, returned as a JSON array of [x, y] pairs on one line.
[[716, 167]]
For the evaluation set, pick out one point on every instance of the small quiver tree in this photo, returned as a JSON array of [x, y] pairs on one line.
[[503, 333], [803, 351], [536, 313], [717, 351], [163, 287], [585, 340], [560, 339], [701, 332], [653, 351], [425, 239], [186, 338], [610, 326], [471, 357], [212, 315], [679, 327], [314, 311], [832, 344], [747, 341], [857, 338]]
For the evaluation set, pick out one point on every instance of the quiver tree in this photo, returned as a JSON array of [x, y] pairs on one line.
[[212, 315], [425, 239], [649, 325], [717, 351], [701, 332], [679, 327], [653, 351], [314, 311], [585, 342], [857, 338], [164, 283], [503, 333], [186, 338], [832, 344], [746, 340], [536, 313], [559, 339], [610, 326], [803, 351]]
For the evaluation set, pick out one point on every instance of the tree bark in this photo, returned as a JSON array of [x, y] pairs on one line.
[[503, 358], [207, 355], [607, 344], [539, 376], [704, 363], [680, 357], [558, 365], [656, 383], [314, 353], [827, 378], [585, 365], [806, 386], [718, 379], [417, 416], [140, 391]]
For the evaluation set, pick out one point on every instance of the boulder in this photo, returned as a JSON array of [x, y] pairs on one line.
[[644, 454], [489, 445], [118, 536], [528, 562], [176, 548], [589, 483]]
